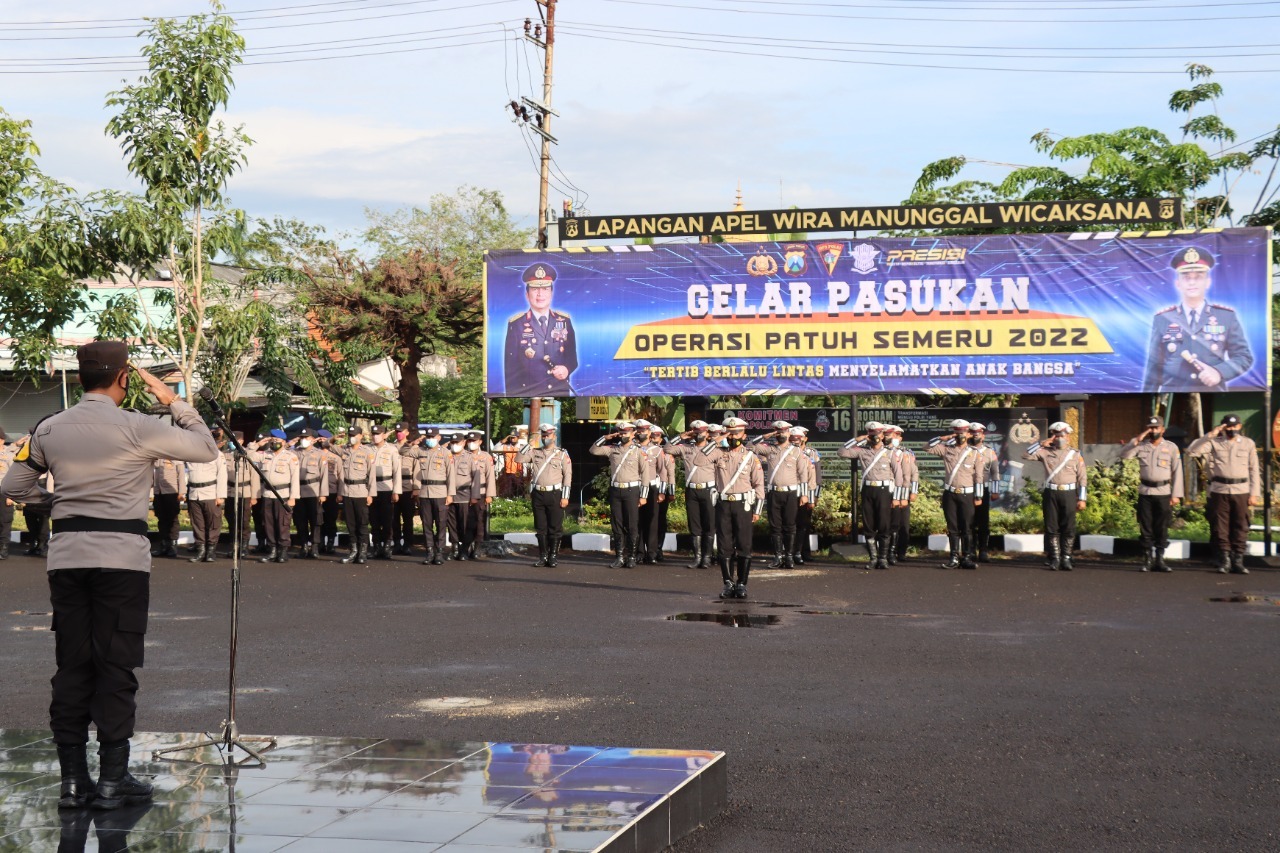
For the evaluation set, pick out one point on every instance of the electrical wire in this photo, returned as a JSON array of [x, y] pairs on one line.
[[303, 10]]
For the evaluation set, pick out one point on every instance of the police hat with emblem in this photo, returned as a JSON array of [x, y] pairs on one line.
[[977, 426], [399, 426], [959, 424], [1192, 258], [278, 433], [1154, 421], [1230, 420], [1062, 427], [474, 436], [734, 423], [780, 425], [539, 275], [893, 428], [641, 423], [547, 428], [800, 431], [304, 433], [323, 433], [624, 425], [354, 430], [874, 426], [698, 425], [431, 432], [377, 429], [103, 355], [715, 427]]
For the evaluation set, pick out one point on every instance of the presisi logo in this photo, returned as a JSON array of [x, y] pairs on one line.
[[864, 258], [926, 256]]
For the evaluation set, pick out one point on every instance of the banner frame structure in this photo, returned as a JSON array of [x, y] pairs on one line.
[[1088, 312]]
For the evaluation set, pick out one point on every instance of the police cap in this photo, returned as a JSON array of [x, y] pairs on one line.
[[734, 423], [1154, 421], [377, 429], [959, 423], [641, 423], [103, 355], [323, 433], [780, 425], [431, 432], [278, 433], [1192, 258], [539, 275], [698, 425], [1230, 420], [547, 428], [977, 426], [624, 425], [354, 430], [1062, 427]]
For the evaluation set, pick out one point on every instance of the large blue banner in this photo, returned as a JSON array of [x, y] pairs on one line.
[[1079, 313]]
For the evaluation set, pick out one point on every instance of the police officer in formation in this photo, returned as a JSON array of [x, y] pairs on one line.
[[277, 493], [7, 451], [331, 508], [484, 485], [99, 563], [550, 474], [206, 494], [962, 489], [313, 492], [358, 487], [1231, 462], [804, 512], [787, 476], [242, 494], [459, 503], [900, 514], [406, 509], [1159, 488], [989, 473], [168, 485], [881, 480], [1065, 493], [433, 471], [386, 462], [653, 515], [629, 478], [740, 487], [693, 447]]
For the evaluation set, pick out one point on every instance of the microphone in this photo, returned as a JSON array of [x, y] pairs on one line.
[[206, 393]]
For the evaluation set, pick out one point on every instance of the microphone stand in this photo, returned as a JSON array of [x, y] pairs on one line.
[[229, 735]]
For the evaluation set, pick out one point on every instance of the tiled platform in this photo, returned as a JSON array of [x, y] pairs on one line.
[[325, 795]]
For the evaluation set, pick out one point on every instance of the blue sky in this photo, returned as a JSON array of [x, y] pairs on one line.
[[647, 124]]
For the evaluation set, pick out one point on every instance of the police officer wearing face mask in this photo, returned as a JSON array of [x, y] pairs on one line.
[[804, 513], [786, 475], [989, 474], [693, 448], [258, 509], [168, 485], [740, 491], [962, 489], [386, 461], [460, 481], [406, 509], [1235, 484], [206, 494], [432, 475], [551, 478], [1064, 493], [313, 484], [280, 467], [242, 494], [331, 507], [900, 515], [629, 477], [881, 480], [1160, 487], [484, 485], [359, 482]]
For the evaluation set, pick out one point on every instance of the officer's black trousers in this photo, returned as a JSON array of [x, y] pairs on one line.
[[1060, 516], [624, 508], [783, 508], [306, 519], [477, 524], [166, 506], [548, 515], [329, 512], [900, 523], [877, 502], [380, 513], [957, 509], [652, 518], [406, 510], [804, 527], [434, 521], [733, 526], [235, 508], [277, 518], [357, 514], [99, 621], [37, 527], [258, 511], [1230, 516], [459, 510], [700, 512], [206, 521], [6, 522], [982, 521], [1154, 515]]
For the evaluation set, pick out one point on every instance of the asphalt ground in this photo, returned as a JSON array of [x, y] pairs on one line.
[[1011, 708]]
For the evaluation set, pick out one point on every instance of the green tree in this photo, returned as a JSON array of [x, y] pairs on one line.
[[1200, 168], [184, 156]]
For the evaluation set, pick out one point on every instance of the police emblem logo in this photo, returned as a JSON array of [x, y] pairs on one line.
[[762, 264], [1166, 208], [830, 254], [823, 422], [794, 262], [1191, 256], [571, 228], [864, 258]]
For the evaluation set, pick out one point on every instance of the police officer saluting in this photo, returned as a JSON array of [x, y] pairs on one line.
[[484, 485], [313, 492], [740, 486], [961, 490], [989, 474], [1231, 461], [551, 477], [99, 559], [628, 490], [693, 447], [900, 515], [881, 480], [1064, 493], [786, 482], [1160, 486], [281, 469], [804, 513]]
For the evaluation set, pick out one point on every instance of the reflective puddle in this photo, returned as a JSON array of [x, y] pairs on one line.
[[858, 613], [730, 620]]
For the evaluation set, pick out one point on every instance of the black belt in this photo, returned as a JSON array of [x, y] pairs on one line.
[[434, 482], [1152, 484], [308, 482], [1230, 481], [385, 479], [202, 485], [85, 524], [355, 482]]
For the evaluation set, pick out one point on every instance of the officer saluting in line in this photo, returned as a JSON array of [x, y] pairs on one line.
[[1064, 493], [1160, 486], [881, 481], [628, 491], [1235, 484], [99, 559], [693, 447], [551, 477], [1195, 345], [541, 350], [900, 515], [961, 490], [786, 474], [740, 486]]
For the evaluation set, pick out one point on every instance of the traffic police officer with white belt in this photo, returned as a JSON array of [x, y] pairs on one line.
[[629, 478], [881, 479], [740, 491], [550, 473], [1064, 493], [786, 482], [961, 490], [693, 447]]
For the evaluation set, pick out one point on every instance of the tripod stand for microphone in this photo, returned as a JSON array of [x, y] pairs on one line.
[[229, 737]]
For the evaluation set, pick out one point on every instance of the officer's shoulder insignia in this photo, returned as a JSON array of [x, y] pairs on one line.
[[1220, 307], [559, 315], [1167, 310]]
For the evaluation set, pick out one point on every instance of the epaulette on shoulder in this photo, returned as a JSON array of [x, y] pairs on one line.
[[1221, 307], [515, 318], [1167, 310]]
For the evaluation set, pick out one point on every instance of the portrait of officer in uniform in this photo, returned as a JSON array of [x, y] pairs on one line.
[[541, 350], [1196, 345]]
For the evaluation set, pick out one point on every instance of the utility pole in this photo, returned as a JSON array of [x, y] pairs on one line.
[[539, 121]]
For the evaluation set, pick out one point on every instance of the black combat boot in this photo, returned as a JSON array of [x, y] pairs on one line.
[[1237, 563], [200, 552], [744, 572], [708, 552], [170, 549], [428, 559], [1051, 555], [788, 550], [1064, 557], [271, 555], [873, 552], [281, 554], [892, 555], [777, 561], [553, 551], [1161, 565], [437, 555], [362, 554], [1148, 557], [966, 553], [77, 786], [697, 554], [542, 553], [353, 556], [116, 786], [727, 576], [156, 549], [632, 547], [953, 543], [882, 557]]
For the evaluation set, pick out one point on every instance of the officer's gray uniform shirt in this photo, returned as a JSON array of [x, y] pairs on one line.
[[207, 481], [1157, 463], [101, 457]]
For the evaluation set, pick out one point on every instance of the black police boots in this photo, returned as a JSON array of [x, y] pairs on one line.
[[1051, 553], [882, 548], [788, 550], [201, 550], [544, 558], [553, 551], [1064, 557], [892, 555], [697, 554], [271, 555], [1161, 565], [1148, 558], [4, 550], [953, 545], [776, 563], [633, 547], [966, 553], [727, 576], [116, 786], [744, 571], [77, 787], [708, 552], [1237, 563]]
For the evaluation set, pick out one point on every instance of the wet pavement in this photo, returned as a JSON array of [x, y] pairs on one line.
[[1005, 709]]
